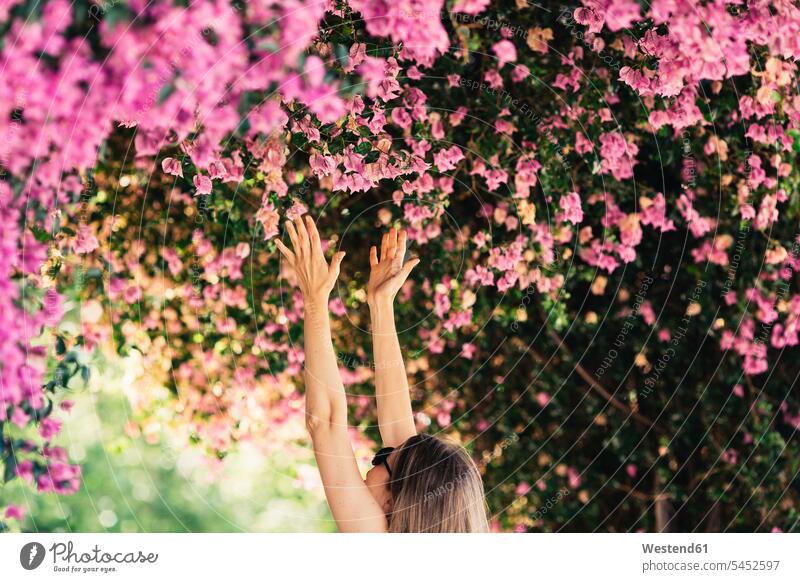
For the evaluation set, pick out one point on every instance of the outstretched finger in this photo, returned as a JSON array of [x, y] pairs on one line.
[[287, 254], [373, 256], [293, 236], [302, 234], [392, 241], [316, 246], [384, 245], [407, 268], [335, 267], [400, 252]]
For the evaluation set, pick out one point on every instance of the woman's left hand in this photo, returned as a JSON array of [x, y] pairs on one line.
[[388, 273], [314, 276]]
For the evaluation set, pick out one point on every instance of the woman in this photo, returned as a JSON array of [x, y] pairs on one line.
[[418, 483]]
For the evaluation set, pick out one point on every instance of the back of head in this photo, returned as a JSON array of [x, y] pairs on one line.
[[436, 487]]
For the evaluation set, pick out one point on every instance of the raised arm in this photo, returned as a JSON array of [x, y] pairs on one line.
[[352, 505], [387, 275]]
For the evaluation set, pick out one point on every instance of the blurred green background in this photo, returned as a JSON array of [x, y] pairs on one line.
[[131, 485]]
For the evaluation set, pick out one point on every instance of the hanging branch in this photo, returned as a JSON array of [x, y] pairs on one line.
[[595, 385]]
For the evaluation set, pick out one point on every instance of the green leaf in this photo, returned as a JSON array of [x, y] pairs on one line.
[[299, 140], [40, 234], [336, 146], [796, 140], [11, 468], [243, 127], [363, 148], [165, 92]]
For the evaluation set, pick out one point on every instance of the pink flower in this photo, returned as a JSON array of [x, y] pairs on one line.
[[25, 470], [618, 156], [49, 427], [730, 456], [20, 417], [15, 512], [647, 312], [203, 184], [634, 79], [266, 118], [590, 18], [85, 242], [217, 171], [442, 304], [468, 351], [573, 478], [337, 307], [416, 24], [356, 56], [414, 74], [388, 89], [269, 219], [571, 205], [52, 307], [630, 231], [520, 73], [458, 116], [506, 52], [754, 366], [655, 214], [503, 126], [494, 79], [133, 294], [172, 166], [447, 159], [621, 14], [470, 6]]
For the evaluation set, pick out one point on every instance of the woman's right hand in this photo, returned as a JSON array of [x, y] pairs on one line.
[[388, 273], [314, 276]]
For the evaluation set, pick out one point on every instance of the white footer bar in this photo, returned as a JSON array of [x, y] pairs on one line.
[[446, 558]]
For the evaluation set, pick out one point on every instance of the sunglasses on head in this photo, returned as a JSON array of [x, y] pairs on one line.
[[382, 458]]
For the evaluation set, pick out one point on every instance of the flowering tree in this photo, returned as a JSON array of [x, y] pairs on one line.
[[72, 74], [603, 198]]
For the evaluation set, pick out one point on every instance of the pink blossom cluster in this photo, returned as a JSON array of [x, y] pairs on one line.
[[417, 24], [177, 75], [692, 43]]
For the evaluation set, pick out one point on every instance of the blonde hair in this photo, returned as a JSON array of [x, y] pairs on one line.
[[436, 488]]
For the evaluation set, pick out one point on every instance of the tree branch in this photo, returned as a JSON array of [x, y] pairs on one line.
[[599, 388]]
